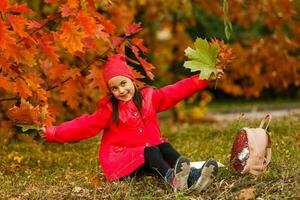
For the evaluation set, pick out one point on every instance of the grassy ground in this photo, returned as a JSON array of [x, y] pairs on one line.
[[70, 171], [238, 105]]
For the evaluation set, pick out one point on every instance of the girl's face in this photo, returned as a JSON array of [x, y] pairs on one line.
[[121, 87]]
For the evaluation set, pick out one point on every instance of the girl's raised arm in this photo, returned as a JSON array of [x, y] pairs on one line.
[[80, 128], [170, 95]]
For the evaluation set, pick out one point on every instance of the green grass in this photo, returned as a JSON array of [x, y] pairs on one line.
[[252, 104], [70, 171]]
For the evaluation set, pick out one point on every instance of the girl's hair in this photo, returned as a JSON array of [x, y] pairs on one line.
[[137, 99]]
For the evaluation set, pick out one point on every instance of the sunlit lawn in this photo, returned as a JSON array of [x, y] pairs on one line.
[[70, 171]]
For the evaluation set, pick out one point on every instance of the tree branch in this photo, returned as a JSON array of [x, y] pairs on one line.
[[36, 30], [9, 99]]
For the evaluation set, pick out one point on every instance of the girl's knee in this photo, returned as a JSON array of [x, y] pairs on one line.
[[151, 150]]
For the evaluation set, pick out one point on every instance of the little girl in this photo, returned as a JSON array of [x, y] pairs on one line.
[[131, 135]]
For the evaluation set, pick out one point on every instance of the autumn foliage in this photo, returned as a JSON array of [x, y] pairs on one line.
[[50, 60], [59, 57]]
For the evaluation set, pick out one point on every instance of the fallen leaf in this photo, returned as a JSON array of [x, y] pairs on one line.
[[247, 194]]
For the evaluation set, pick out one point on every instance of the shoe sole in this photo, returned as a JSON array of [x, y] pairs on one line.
[[208, 173], [182, 170]]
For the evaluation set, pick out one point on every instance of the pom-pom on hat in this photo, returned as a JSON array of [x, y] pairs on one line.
[[116, 66]]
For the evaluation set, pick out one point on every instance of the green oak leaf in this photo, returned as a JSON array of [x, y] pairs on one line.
[[203, 58]]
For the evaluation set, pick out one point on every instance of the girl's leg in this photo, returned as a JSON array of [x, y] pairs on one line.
[[155, 161], [169, 153], [175, 176]]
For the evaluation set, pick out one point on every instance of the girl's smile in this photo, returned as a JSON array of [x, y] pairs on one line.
[[121, 87]]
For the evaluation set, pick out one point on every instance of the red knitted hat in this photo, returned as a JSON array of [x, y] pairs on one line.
[[116, 66]]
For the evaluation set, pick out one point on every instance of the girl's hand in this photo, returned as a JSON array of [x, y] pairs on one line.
[[32, 130], [220, 73], [41, 133]]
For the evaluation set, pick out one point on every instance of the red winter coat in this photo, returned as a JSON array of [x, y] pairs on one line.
[[122, 146]]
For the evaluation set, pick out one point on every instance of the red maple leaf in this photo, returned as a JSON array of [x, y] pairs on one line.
[[146, 65], [117, 41], [132, 28], [139, 43], [19, 8], [137, 75]]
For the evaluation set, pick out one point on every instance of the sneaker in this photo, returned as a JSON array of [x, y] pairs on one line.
[[177, 177], [203, 177]]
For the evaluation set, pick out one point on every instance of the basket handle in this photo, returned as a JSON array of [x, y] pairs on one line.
[[267, 119]]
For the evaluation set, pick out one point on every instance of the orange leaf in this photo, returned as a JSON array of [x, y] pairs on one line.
[[3, 5], [101, 34], [34, 24], [146, 65], [53, 110], [25, 114], [96, 78], [23, 89], [35, 77], [71, 94], [137, 75], [18, 23], [5, 38], [108, 25], [87, 22], [139, 43], [49, 50], [26, 56], [73, 4], [71, 37], [42, 94], [46, 117], [57, 70], [5, 83], [20, 8], [66, 11], [89, 43], [91, 4], [117, 41], [73, 73], [4, 64]]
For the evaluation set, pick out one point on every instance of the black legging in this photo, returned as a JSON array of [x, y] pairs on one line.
[[157, 156]]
